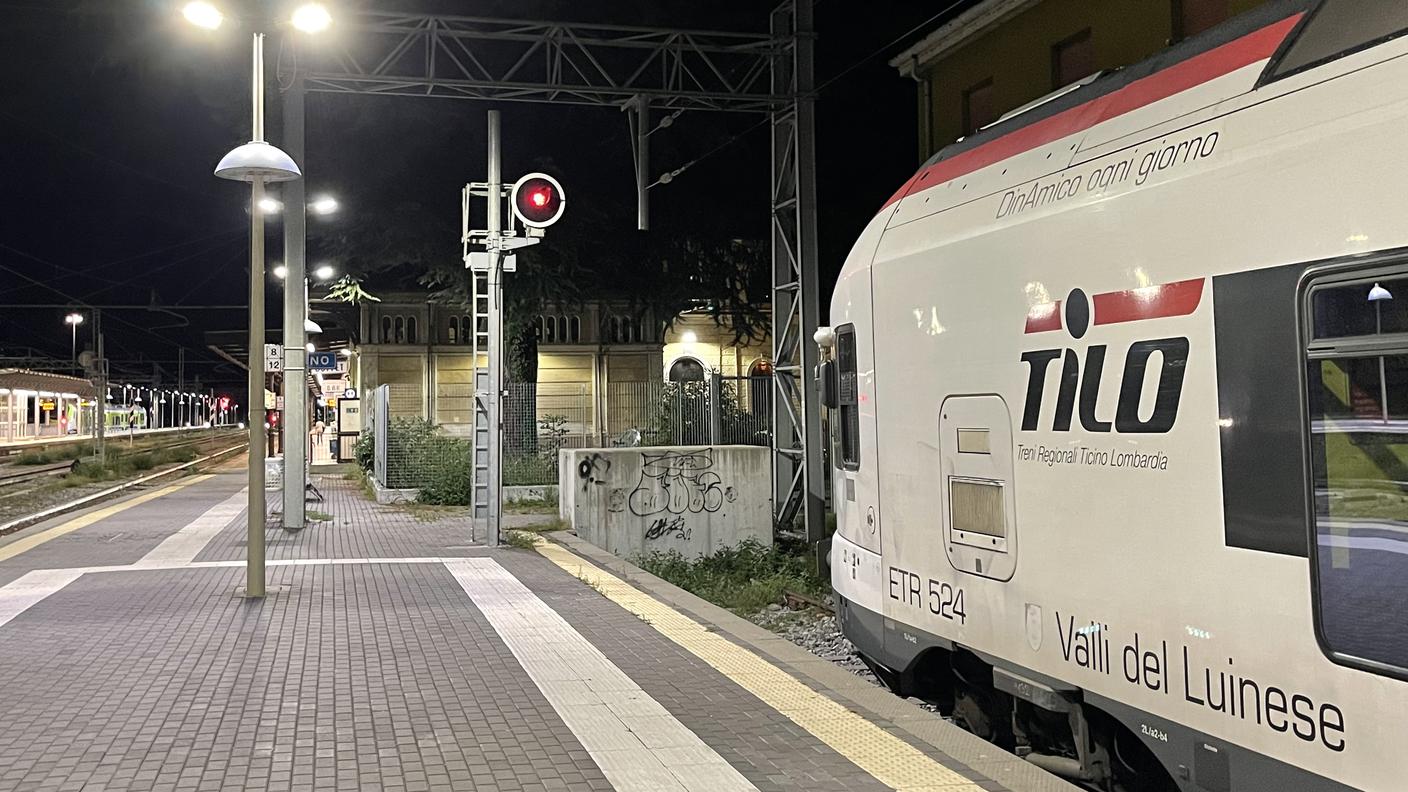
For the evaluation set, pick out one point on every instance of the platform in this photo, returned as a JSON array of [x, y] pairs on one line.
[[392, 653]]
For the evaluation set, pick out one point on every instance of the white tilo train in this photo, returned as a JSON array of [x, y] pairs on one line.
[[1119, 394]]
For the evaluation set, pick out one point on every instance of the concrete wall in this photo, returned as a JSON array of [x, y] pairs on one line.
[[694, 499]]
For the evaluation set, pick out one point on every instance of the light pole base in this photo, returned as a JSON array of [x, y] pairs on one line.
[[243, 593]]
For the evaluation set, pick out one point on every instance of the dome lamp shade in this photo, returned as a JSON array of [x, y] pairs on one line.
[[258, 160]]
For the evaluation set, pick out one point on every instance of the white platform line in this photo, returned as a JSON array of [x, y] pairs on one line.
[[183, 546], [637, 743], [31, 588]]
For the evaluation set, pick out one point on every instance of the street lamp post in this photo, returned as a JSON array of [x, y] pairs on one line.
[[256, 162], [73, 320]]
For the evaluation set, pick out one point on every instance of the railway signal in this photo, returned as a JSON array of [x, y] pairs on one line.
[[537, 200]]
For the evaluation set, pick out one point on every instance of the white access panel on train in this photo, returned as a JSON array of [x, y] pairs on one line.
[[975, 446]]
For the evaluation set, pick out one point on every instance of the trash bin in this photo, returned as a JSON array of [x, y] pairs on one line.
[[333, 449]]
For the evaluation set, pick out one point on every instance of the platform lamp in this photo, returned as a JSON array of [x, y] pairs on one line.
[[1378, 295], [256, 162]]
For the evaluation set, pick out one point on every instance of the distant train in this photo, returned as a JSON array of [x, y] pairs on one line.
[[1119, 394], [120, 417]]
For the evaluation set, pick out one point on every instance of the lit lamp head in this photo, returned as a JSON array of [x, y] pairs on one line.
[[257, 160]]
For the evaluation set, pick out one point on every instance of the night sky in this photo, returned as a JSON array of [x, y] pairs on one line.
[[114, 113]]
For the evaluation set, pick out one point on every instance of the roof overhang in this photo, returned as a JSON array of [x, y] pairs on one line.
[[965, 27]]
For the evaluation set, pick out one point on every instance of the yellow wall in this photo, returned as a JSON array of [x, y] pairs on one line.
[[454, 390], [1016, 55], [713, 346], [406, 376], [565, 387]]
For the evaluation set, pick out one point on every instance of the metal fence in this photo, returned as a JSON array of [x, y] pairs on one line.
[[540, 419]]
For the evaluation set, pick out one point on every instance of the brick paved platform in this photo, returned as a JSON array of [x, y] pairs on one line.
[[397, 654]]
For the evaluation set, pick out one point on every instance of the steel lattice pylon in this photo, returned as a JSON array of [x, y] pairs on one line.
[[640, 69]]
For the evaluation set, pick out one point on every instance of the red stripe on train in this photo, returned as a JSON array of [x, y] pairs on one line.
[[1044, 317], [1256, 46], [1152, 302]]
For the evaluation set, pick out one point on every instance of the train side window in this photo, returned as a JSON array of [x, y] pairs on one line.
[[1340, 27], [1356, 360], [848, 394]]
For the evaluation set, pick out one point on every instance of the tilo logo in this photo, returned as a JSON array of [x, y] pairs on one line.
[[1078, 390]]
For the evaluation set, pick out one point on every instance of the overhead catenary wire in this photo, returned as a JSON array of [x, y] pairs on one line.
[[77, 301], [950, 8]]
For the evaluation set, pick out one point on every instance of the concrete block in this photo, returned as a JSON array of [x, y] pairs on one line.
[[694, 499], [530, 492]]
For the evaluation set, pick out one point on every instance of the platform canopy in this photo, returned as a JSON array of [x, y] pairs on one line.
[[45, 382]]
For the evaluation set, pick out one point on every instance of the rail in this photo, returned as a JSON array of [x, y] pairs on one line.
[[23, 473]]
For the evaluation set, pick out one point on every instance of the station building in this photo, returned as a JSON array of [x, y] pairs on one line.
[[600, 364], [1001, 55]]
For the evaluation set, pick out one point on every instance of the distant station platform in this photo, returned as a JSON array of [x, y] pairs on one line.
[[394, 653]]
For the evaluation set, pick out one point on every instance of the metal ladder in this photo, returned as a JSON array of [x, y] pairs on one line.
[[479, 298]]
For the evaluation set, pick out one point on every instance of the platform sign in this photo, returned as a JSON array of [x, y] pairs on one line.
[[349, 415], [322, 361], [273, 358]]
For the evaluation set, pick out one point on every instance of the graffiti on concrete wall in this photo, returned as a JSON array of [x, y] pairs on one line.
[[677, 482], [592, 470], [672, 526]]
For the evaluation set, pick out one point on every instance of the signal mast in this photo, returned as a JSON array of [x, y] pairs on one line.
[[535, 201]]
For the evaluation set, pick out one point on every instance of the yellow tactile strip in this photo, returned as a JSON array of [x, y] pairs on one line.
[[889, 759]]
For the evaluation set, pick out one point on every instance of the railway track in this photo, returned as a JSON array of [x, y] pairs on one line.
[[12, 475]]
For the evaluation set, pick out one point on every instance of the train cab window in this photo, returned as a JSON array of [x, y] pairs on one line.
[[848, 397], [1340, 27], [1357, 404]]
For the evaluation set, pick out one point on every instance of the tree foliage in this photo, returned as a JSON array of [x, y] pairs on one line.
[[590, 255]]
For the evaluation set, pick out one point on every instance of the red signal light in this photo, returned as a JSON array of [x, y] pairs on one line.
[[224, 402], [538, 200]]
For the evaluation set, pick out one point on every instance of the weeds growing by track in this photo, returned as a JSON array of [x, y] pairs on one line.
[[744, 579]]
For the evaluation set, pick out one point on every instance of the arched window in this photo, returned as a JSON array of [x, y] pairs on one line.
[[574, 329], [454, 329], [549, 330], [761, 367], [400, 330], [686, 370], [466, 330], [410, 330], [562, 329], [614, 329], [386, 330]]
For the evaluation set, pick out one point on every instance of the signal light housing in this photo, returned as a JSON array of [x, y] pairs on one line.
[[537, 200]]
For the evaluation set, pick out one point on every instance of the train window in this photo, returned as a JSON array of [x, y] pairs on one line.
[[1360, 309], [848, 394], [1340, 27], [1357, 405]]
